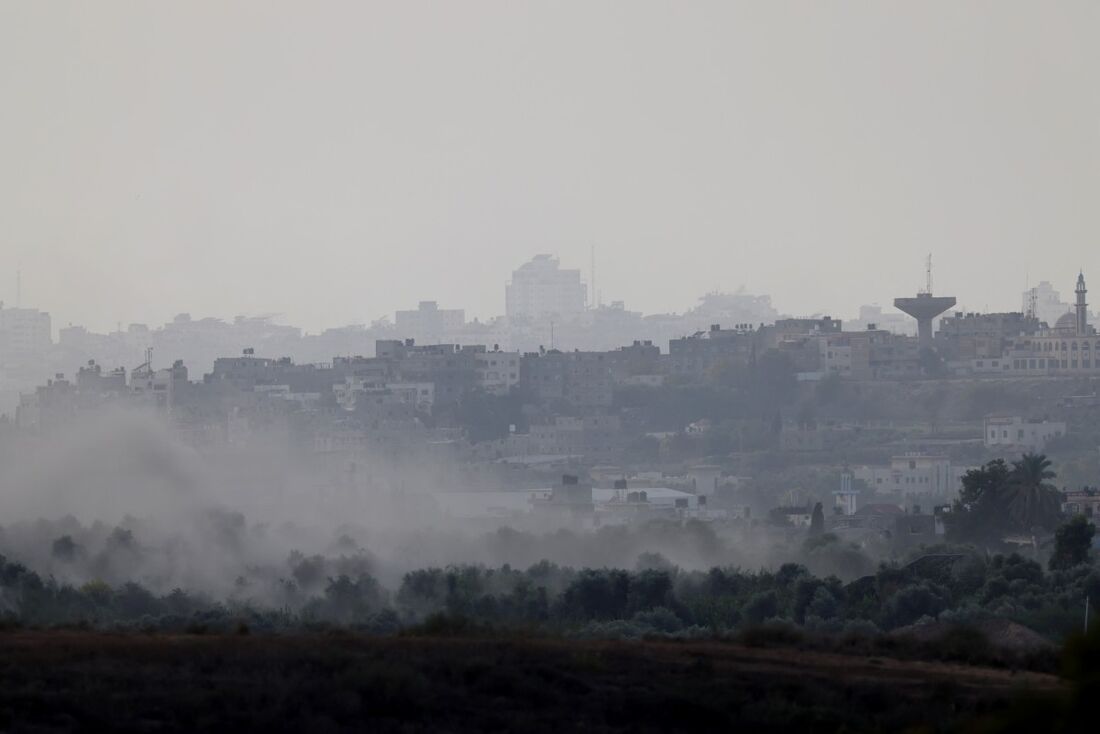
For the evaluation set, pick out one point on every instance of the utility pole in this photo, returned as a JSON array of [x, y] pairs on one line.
[[1086, 614]]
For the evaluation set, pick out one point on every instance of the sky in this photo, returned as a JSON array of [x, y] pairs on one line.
[[330, 162]]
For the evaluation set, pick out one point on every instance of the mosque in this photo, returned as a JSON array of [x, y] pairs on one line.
[[1070, 347]]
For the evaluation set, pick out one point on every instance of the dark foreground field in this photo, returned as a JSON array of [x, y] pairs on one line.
[[70, 681]]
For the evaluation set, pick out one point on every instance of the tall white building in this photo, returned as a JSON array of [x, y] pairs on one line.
[[1046, 303], [24, 330], [541, 289]]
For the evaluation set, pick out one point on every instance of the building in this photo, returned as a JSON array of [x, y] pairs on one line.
[[569, 502], [24, 331], [1044, 303], [430, 324], [452, 368], [582, 379], [593, 437], [1014, 432], [497, 372], [541, 289], [1068, 348], [162, 388], [913, 474], [873, 354], [968, 336], [639, 363], [697, 357], [873, 317], [1082, 502]]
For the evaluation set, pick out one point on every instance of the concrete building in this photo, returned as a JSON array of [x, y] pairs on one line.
[[430, 324], [593, 437], [92, 379], [582, 379], [498, 372], [161, 388], [1082, 502], [1045, 303], [1068, 348], [696, 357], [968, 336], [873, 354], [569, 502], [541, 289], [913, 474], [24, 331], [452, 368], [1014, 432], [874, 317], [640, 363]]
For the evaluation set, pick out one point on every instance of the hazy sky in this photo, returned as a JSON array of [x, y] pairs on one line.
[[333, 161]]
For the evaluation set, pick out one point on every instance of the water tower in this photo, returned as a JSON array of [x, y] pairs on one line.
[[925, 307]]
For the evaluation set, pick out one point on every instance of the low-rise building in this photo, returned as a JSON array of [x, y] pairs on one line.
[[1082, 502], [1014, 432], [913, 474]]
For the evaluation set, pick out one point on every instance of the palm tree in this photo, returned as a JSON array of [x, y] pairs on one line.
[[1032, 501]]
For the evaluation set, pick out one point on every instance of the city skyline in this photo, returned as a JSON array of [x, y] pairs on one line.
[[1010, 298], [314, 165]]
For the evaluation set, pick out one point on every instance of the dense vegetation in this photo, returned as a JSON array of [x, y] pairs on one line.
[[653, 599]]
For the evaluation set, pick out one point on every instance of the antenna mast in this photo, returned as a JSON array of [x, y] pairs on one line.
[[592, 272], [928, 275]]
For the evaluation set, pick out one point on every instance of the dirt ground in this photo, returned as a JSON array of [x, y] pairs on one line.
[[83, 681]]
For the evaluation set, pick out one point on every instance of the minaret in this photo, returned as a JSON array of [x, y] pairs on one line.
[[1082, 307]]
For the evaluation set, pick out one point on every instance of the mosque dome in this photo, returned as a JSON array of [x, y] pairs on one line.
[[1067, 320]]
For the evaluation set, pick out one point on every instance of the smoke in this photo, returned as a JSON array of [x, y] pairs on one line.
[[116, 496]]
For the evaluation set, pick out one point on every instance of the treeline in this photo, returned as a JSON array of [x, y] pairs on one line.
[[656, 598]]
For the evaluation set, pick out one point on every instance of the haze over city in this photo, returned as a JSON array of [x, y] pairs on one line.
[[625, 366], [334, 165]]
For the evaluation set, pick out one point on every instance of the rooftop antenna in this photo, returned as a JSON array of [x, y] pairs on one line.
[[927, 276], [19, 285], [592, 272]]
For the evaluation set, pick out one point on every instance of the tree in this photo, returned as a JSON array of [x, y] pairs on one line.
[[932, 363], [1072, 542], [1032, 501], [817, 520], [65, 549], [980, 513]]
